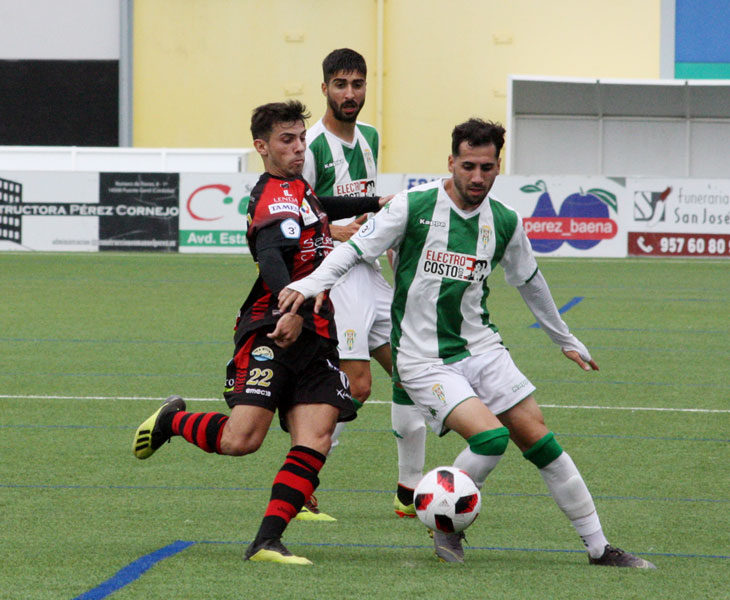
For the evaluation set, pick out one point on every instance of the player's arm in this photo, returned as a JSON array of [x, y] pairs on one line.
[[539, 300], [521, 271], [342, 233], [336, 263], [385, 230], [341, 207], [274, 252]]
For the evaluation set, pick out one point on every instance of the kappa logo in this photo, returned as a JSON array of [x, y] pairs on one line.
[[431, 223], [262, 353], [334, 163], [439, 393]]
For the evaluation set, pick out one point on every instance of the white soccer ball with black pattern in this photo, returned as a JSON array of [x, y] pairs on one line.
[[447, 499]]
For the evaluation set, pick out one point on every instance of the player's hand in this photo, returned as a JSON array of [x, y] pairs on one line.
[[287, 330], [290, 300], [586, 365], [383, 200], [342, 233]]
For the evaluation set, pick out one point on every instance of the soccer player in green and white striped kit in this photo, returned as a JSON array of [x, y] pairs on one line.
[[341, 160], [447, 353]]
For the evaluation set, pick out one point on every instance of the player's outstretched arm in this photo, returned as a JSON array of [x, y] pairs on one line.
[[536, 295]]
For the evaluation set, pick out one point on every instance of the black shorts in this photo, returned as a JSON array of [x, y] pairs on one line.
[[307, 372]]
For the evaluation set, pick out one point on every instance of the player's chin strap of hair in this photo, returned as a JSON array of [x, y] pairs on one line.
[[536, 295]]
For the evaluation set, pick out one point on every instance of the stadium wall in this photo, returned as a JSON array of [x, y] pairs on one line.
[[201, 66]]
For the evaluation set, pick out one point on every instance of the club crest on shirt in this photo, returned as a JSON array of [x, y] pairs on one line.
[[350, 338], [439, 393], [485, 234], [368, 156]]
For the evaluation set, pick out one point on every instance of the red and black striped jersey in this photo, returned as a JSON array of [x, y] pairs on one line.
[[285, 215]]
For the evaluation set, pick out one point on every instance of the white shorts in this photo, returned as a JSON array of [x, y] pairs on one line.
[[492, 377], [362, 300]]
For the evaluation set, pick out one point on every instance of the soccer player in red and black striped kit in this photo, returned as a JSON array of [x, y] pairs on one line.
[[281, 362]]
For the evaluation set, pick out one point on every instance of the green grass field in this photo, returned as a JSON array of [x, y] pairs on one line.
[[91, 344]]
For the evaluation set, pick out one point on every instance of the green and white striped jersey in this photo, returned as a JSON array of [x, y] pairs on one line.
[[445, 255], [334, 167]]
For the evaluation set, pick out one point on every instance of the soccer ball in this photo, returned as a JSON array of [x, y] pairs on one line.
[[447, 499]]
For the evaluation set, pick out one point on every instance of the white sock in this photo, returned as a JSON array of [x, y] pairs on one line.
[[572, 496], [477, 465], [410, 435], [336, 436]]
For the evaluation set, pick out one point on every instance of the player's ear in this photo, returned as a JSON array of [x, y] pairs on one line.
[[262, 147], [451, 163], [324, 88]]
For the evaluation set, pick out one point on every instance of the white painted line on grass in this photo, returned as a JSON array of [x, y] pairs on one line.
[[159, 398]]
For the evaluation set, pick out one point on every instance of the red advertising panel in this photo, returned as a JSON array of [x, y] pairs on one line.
[[679, 244]]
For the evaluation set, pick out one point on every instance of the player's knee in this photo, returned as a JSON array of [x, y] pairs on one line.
[[544, 451], [489, 443], [236, 445]]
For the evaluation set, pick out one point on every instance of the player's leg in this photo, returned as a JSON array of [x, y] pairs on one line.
[[249, 392], [409, 429], [407, 422], [352, 298], [320, 399], [310, 427], [527, 429], [239, 434], [448, 402]]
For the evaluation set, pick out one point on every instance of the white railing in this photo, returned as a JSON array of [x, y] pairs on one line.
[[112, 159]]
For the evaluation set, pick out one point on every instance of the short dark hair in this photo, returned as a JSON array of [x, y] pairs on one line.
[[264, 117], [477, 132], [345, 60]]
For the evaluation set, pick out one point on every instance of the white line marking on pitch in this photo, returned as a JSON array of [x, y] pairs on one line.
[[158, 398]]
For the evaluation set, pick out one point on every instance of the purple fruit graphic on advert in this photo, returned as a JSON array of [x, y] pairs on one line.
[[543, 208], [591, 205], [583, 220]]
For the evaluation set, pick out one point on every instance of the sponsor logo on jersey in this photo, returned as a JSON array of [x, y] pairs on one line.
[[262, 353], [258, 392], [454, 265], [320, 245], [350, 338], [439, 393], [360, 187], [431, 223], [308, 216], [282, 207]]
